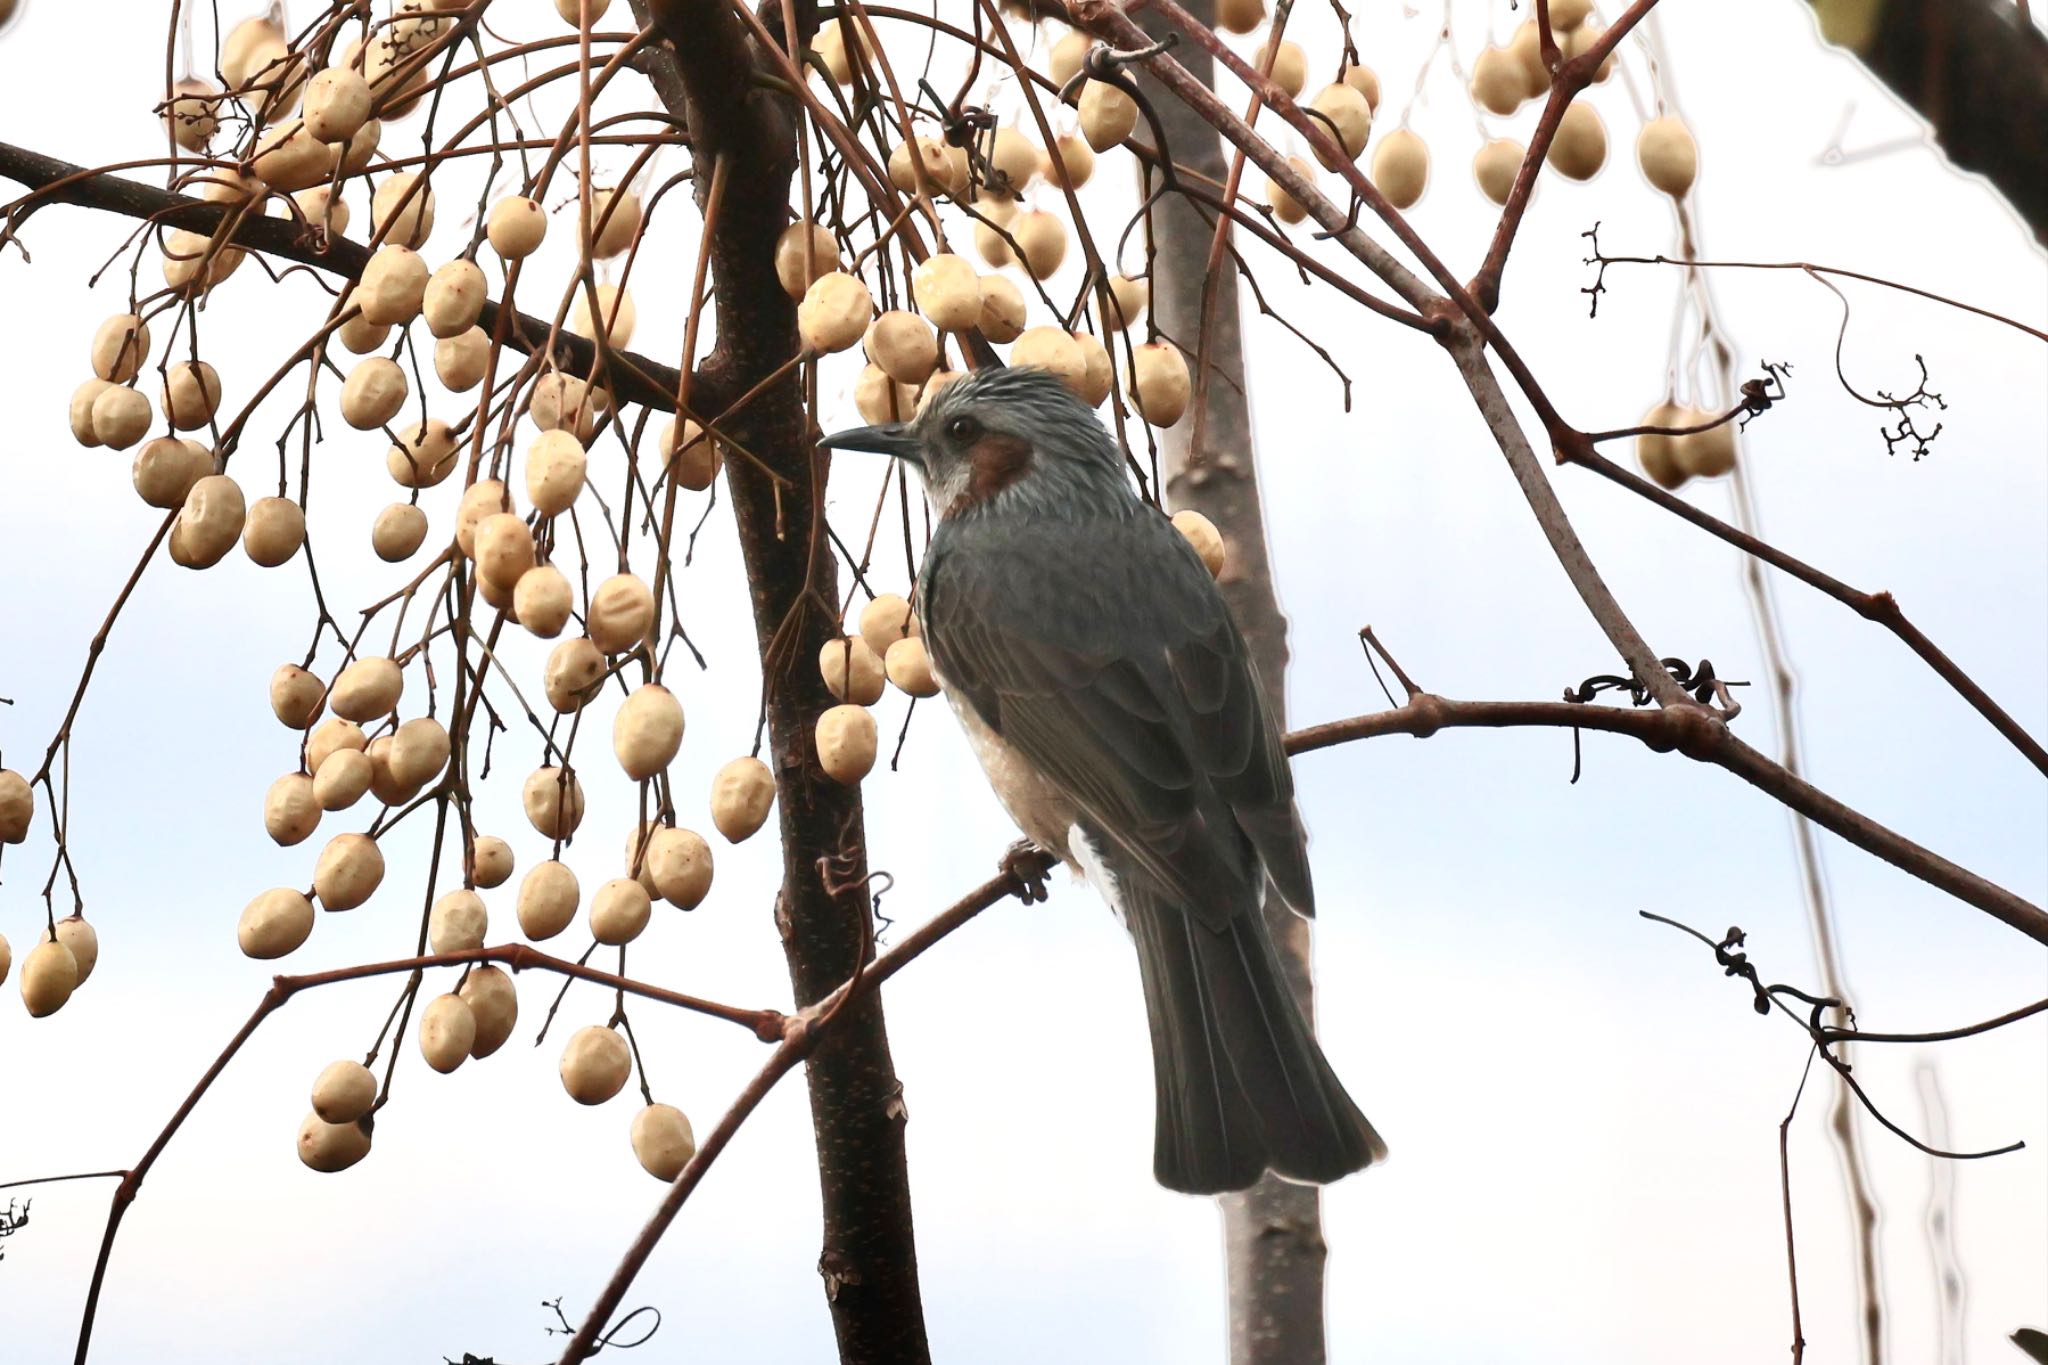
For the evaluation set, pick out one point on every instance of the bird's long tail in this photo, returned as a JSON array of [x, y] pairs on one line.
[[1242, 1085]]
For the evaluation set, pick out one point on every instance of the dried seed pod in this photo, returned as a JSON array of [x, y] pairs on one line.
[[554, 801], [1657, 452], [289, 158], [516, 226], [621, 613], [1003, 309], [494, 1002], [402, 211], [119, 417], [454, 298], [647, 731], [191, 394], [1051, 349], [367, 689], [190, 115], [1400, 168], [1705, 454], [334, 735], [1285, 206], [447, 1032], [547, 900], [619, 910], [595, 1064], [17, 806], [615, 306], [419, 751], [461, 360], [1107, 115], [1349, 115], [885, 621], [1068, 54], [741, 794], [373, 393], [1128, 300], [120, 348], [490, 861], [881, 399], [1581, 40], [341, 781], [1580, 147], [903, 344], [361, 336], [1290, 65], [1495, 166], [209, 523], [484, 498], [343, 1092], [1159, 383], [1098, 376], [398, 532], [692, 458], [846, 743], [331, 1147], [457, 922], [425, 454], [74, 933], [615, 221], [392, 285], [853, 672], [834, 313], [337, 104], [296, 697], [1362, 79], [1499, 84], [291, 809], [504, 550], [925, 164], [1201, 533], [165, 470], [795, 267], [662, 1141], [574, 670], [1240, 16], [543, 601], [349, 869], [48, 976], [909, 666], [1069, 162], [1041, 243], [1669, 157], [81, 411], [1526, 47], [946, 291]]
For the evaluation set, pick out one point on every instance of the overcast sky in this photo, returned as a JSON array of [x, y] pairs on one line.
[[1583, 1113]]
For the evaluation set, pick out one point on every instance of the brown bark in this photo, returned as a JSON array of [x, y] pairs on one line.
[[1273, 1236], [869, 1255]]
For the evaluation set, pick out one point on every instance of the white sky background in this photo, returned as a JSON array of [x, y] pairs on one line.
[[1583, 1112]]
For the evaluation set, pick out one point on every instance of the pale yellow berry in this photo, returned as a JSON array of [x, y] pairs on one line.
[[367, 689], [398, 532], [461, 360], [494, 1006], [275, 923], [74, 933], [373, 393], [454, 298], [1041, 243], [1069, 162], [1286, 207], [1098, 375], [337, 104], [1159, 383], [1656, 451], [82, 399], [923, 165], [675, 865], [419, 751], [324, 208], [48, 976], [516, 227], [880, 399], [424, 456], [191, 394], [614, 306], [333, 735], [1705, 454], [902, 343], [1499, 84], [402, 211], [331, 1147], [297, 697], [491, 859], [566, 402], [1002, 309], [1400, 168], [484, 498], [289, 158], [360, 336], [1365, 82], [1240, 16], [1107, 115], [190, 113], [692, 458], [291, 809], [1495, 166], [119, 417], [886, 619], [554, 802], [1201, 533], [647, 731], [1526, 47], [621, 613], [165, 470], [1290, 65], [595, 1065], [741, 794], [342, 780], [1067, 56], [614, 222], [543, 601], [1580, 40], [834, 313], [1566, 15], [343, 1092], [392, 285], [662, 1141], [457, 922], [349, 869], [1347, 119], [447, 1032], [619, 910], [209, 523], [1053, 350], [852, 671], [796, 267], [504, 550], [947, 291], [1580, 147], [910, 668], [547, 900], [1128, 300], [120, 348], [846, 743], [574, 670], [1668, 155]]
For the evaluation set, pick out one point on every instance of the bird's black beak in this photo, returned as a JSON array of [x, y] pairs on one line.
[[894, 438]]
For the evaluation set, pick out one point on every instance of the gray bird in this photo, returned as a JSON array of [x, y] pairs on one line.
[[1107, 692]]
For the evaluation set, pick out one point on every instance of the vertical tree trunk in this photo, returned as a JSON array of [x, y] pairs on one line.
[[869, 1255], [1273, 1235]]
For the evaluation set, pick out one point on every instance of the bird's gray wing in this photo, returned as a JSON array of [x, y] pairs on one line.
[[1101, 650]]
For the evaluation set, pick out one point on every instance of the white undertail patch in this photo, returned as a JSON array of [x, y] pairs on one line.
[[1088, 855]]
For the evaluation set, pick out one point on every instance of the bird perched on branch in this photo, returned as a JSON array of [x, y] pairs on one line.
[[1107, 692]]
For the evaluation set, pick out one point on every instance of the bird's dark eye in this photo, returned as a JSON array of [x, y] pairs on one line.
[[963, 428]]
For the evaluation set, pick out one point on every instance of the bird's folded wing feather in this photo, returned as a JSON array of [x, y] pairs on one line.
[[1104, 654]]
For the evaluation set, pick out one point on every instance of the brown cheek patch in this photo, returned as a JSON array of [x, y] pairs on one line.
[[994, 463]]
